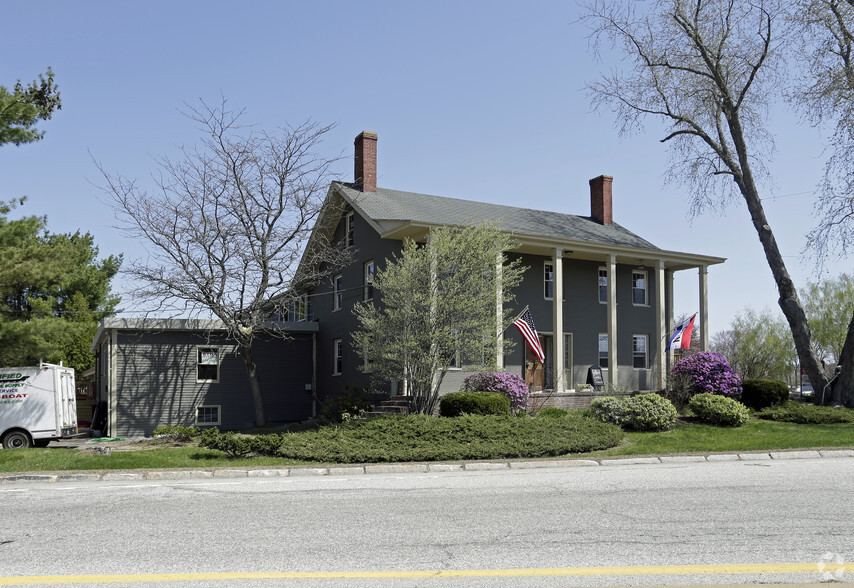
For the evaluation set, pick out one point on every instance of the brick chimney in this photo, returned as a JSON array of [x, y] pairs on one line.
[[366, 161], [600, 200]]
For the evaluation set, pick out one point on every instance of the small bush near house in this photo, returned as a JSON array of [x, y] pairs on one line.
[[511, 385], [240, 445], [177, 432], [794, 412], [552, 412], [719, 410], [484, 403], [710, 373], [648, 412], [350, 404], [608, 409], [759, 393]]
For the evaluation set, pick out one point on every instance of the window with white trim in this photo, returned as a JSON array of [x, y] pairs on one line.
[[603, 285], [639, 288], [348, 229], [208, 415], [639, 351], [337, 356], [297, 310], [207, 364], [338, 292], [370, 270], [603, 350], [548, 280]]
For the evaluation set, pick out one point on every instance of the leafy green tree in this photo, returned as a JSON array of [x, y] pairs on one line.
[[53, 293], [23, 106], [436, 309], [829, 306], [758, 345]]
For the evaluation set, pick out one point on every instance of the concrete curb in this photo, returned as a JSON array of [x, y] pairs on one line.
[[412, 468]]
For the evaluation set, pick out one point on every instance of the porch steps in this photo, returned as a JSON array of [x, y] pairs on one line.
[[394, 405]]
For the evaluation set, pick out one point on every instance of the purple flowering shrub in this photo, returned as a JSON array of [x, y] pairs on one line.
[[511, 385], [709, 373]]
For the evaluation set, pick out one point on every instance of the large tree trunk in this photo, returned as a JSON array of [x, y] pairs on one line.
[[789, 302], [843, 387], [254, 384]]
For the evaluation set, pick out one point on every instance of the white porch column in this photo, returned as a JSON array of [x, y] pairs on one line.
[[499, 315], [704, 308], [670, 325], [557, 320], [612, 322], [660, 325]]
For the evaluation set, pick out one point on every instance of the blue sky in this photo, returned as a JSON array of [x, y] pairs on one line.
[[473, 99]]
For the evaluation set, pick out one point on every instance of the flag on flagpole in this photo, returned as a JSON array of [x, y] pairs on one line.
[[525, 324], [681, 338]]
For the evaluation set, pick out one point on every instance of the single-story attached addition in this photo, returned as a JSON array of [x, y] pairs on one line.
[[152, 372]]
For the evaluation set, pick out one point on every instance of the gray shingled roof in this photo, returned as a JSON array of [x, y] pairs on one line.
[[394, 205]]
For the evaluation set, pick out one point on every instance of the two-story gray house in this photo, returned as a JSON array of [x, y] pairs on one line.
[[600, 295]]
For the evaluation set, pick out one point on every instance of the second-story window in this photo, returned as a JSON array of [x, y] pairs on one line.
[[548, 280], [603, 285], [337, 292], [370, 269], [639, 289]]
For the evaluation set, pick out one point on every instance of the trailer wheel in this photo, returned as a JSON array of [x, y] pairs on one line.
[[17, 440]]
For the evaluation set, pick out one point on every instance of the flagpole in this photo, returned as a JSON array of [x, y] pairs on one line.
[[517, 318]]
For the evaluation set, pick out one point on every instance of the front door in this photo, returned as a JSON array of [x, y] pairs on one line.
[[535, 374]]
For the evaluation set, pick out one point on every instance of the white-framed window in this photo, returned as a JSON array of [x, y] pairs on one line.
[[603, 285], [297, 310], [603, 350], [639, 288], [337, 292], [368, 351], [548, 280], [208, 415], [337, 356], [348, 229], [640, 357], [370, 270], [207, 364]]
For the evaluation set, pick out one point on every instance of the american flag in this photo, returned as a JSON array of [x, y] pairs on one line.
[[525, 324]]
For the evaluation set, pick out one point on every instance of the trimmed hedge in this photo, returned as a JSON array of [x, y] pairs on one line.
[[485, 403], [719, 410], [608, 409], [240, 445], [794, 412], [426, 438], [552, 412], [759, 393]]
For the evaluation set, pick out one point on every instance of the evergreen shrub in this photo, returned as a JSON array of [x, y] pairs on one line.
[[719, 410], [648, 412], [177, 432], [759, 393], [608, 409], [795, 412], [552, 412], [240, 445], [483, 403]]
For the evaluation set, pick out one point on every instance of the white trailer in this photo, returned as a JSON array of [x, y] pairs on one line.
[[37, 404]]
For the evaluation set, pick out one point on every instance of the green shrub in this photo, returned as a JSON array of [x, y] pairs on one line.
[[552, 412], [240, 445], [349, 404], [761, 393], [485, 403], [794, 412], [426, 438], [719, 410], [648, 412], [177, 431], [608, 409]]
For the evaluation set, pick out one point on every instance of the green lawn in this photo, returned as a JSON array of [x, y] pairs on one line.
[[686, 437], [756, 435]]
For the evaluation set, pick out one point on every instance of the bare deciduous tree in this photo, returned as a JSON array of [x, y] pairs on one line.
[[225, 226], [703, 67], [826, 95]]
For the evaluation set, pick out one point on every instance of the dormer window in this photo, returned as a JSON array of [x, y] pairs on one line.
[[348, 229]]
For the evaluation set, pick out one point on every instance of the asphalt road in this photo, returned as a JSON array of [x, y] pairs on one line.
[[741, 521]]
